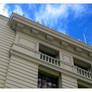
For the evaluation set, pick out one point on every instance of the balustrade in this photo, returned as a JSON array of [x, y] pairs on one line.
[[49, 59], [83, 72]]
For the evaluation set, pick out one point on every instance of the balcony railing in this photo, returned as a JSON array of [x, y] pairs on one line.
[[49, 59], [83, 72]]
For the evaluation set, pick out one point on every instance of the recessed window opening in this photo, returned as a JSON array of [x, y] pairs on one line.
[[82, 84], [82, 64], [48, 51], [46, 80]]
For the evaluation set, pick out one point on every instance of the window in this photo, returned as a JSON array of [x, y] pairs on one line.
[[48, 51], [82, 64], [82, 84], [47, 81]]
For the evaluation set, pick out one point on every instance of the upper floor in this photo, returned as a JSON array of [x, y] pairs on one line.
[[51, 48]]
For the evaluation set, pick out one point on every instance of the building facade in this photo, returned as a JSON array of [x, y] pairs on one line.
[[35, 56]]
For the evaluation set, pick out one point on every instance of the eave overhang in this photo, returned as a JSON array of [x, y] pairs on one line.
[[16, 21]]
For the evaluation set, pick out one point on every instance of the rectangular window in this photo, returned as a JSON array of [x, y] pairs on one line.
[[47, 81], [82, 64], [82, 84], [49, 51]]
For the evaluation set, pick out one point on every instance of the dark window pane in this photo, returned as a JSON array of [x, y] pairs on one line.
[[46, 81]]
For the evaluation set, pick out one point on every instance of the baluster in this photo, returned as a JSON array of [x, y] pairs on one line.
[[46, 58], [87, 74], [58, 63], [80, 71], [90, 75], [52, 60], [77, 70], [83, 72], [55, 61], [43, 57], [40, 55]]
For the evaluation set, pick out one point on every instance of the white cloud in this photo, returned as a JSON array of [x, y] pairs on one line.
[[50, 14], [77, 9], [4, 10], [18, 10]]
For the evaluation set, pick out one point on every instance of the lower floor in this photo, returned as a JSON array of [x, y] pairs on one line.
[[21, 73]]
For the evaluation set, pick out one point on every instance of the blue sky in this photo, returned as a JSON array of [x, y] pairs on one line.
[[71, 19]]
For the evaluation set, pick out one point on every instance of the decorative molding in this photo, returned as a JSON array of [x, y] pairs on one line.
[[20, 25], [35, 31], [78, 49], [64, 43], [48, 37]]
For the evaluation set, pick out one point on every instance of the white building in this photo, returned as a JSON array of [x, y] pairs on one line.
[[35, 56]]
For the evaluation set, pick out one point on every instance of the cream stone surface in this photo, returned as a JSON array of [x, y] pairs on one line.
[[7, 37], [68, 82], [21, 73]]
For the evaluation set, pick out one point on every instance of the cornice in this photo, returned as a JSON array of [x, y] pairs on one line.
[[4, 17], [16, 21]]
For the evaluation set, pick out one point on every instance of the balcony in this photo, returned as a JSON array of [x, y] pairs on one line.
[[49, 59], [57, 62], [83, 72]]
